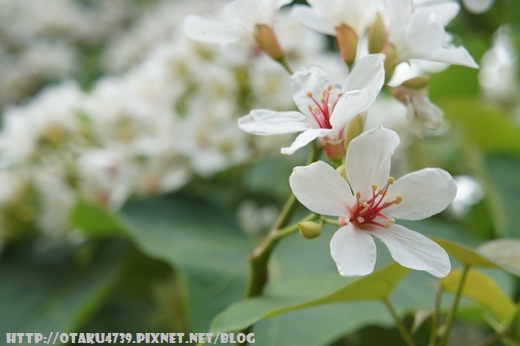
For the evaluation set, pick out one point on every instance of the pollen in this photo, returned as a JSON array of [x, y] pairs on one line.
[[309, 94], [369, 211]]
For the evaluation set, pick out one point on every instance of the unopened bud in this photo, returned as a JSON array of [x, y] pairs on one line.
[[347, 39], [391, 61], [342, 170], [377, 35], [267, 41], [309, 229], [355, 128], [417, 83]]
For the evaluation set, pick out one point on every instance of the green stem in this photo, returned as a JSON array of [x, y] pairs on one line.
[[402, 330], [259, 258], [454, 307], [436, 317]]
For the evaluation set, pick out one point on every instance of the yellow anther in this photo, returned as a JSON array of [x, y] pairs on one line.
[[390, 180], [391, 220], [310, 107], [340, 94], [360, 219], [398, 199], [374, 187], [387, 226], [365, 204], [358, 195], [329, 88], [381, 192], [309, 94]]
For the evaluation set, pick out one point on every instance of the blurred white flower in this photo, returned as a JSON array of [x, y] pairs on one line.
[[376, 201], [498, 75]]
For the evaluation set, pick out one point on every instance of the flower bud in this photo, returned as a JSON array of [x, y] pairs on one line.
[[347, 39], [377, 35], [355, 128], [267, 41], [342, 170], [417, 83], [309, 229], [391, 61]]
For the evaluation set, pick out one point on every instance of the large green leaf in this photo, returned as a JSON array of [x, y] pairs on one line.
[[484, 290], [95, 220], [465, 254], [307, 292], [48, 290], [198, 239]]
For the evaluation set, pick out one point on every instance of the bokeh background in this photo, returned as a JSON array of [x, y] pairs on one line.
[[129, 198]]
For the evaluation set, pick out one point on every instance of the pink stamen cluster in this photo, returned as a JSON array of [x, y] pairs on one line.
[[363, 214], [322, 112]]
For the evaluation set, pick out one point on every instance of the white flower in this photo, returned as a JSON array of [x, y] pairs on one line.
[[325, 110], [376, 202], [249, 20], [421, 113], [420, 34], [326, 16]]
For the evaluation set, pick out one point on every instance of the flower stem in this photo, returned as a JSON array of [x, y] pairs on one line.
[[493, 338], [259, 258], [454, 307], [402, 330], [436, 317]]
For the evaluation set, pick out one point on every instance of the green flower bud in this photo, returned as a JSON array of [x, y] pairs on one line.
[[377, 35], [309, 229], [342, 170]]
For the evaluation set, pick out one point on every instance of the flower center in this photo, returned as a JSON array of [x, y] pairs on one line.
[[321, 110], [364, 214]]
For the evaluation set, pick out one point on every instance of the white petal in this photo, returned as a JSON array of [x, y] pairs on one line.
[[313, 80], [426, 37], [305, 138], [306, 16], [350, 105], [211, 31], [413, 250], [321, 189], [266, 122], [354, 251], [368, 159], [247, 12], [425, 193], [368, 73], [444, 11]]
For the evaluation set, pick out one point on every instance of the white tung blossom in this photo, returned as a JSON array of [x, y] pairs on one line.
[[377, 201], [325, 111]]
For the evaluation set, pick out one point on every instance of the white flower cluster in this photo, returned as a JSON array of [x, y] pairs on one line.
[[42, 41], [146, 131], [383, 42]]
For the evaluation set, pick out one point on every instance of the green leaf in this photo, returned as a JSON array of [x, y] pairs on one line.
[[96, 220], [490, 128], [307, 292], [198, 239], [483, 290], [465, 254], [48, 291], [505, 252]]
